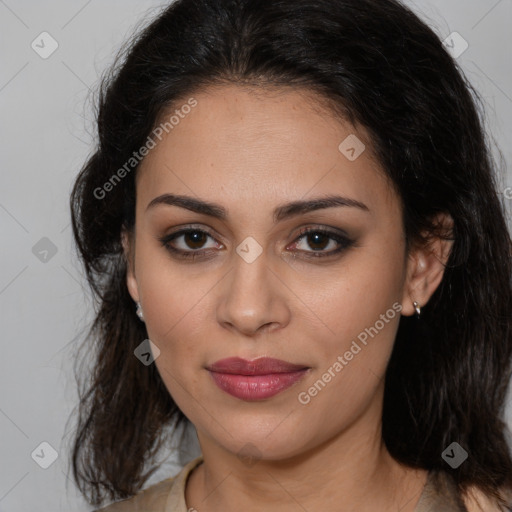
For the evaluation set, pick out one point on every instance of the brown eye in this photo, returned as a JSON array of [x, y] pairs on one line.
[[188, 243], [195, 239], [316, 242], [312, 242]]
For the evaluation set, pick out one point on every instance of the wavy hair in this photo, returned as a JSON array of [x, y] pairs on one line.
[[378, 65]]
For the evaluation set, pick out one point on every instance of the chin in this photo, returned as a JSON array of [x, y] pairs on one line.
[[263, 443]]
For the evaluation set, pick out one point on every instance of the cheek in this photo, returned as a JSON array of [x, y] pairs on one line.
[[174, 308], [353, 296], [169, 290]]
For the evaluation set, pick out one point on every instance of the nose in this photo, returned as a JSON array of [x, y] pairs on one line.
[[253, 298]]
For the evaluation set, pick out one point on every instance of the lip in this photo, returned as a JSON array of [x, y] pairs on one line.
[[257, 379], [261, 366]]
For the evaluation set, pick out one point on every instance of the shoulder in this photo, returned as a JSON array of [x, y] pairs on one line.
[[169, 494], [151, 499], [476, 501]]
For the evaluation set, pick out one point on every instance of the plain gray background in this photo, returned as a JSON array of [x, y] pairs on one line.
[[46, 133]]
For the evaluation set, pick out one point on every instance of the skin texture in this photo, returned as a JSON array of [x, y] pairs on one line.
[[251, 151]]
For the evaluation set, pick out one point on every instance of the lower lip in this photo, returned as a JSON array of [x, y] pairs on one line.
[[256, 387]]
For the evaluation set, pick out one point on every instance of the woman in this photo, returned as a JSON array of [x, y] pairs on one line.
[[299, 199]]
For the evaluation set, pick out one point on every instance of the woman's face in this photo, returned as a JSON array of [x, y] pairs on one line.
[[329, 303]]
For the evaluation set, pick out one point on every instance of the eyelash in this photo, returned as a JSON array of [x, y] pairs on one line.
[[343, 241]]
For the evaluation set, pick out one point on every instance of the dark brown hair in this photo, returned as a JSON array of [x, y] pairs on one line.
[[386, 70]]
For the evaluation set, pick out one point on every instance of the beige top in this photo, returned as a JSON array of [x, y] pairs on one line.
[[439, 495]]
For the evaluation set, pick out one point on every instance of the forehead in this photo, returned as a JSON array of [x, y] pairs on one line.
[[261, 145]]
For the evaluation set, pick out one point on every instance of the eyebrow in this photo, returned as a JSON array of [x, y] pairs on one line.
[[280, 213]]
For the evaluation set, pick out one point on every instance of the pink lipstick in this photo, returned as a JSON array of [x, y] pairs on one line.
[[257, 379]]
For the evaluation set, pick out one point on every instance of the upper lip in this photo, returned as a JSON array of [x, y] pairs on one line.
[[261, 366]]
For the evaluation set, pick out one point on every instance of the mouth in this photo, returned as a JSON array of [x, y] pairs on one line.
[[257, 379]]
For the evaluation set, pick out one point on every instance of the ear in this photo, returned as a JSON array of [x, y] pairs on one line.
[[128, 243], [425, 266]]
